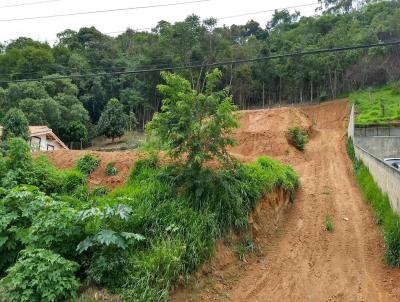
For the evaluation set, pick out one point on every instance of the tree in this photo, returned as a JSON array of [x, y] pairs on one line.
[[15, 124], [337, 6], [194, 127], [77, 132], [112, 122]]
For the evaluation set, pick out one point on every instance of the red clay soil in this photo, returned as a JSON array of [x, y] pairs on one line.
[[298, 260], [302, 261], [123, 162]]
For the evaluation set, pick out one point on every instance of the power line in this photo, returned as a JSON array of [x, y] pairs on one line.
[[29, 3], [215, 64], [266, 11], [103, 11], [218, 18]]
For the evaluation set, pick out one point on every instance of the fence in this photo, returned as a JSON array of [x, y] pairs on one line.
[[376, 131]]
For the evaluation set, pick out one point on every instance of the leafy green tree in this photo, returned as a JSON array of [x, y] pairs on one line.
[[337, 6], [113, 120], [194, 124], [77, 132], [15, 124], [33, 111]]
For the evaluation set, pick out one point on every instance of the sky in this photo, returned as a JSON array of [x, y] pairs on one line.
[[47, 29]]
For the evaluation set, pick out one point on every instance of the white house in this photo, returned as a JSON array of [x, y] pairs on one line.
[[42, 138]]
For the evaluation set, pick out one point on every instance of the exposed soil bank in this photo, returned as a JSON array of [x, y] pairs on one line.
[[123, 162], [216, 275], [302, 261]]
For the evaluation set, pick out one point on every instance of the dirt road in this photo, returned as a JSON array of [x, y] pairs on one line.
[[305, 262]]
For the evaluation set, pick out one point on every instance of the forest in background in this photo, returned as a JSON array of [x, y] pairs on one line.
[[67, 104]]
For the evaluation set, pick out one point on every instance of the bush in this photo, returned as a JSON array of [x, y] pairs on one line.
[[87, 164], [110, 170], [17, 210], [328, 223], [298, 138], [40, 275], [46, 177], [73, 179], [56, 227]]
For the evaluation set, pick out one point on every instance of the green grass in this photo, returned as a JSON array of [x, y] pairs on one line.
[[182, 213], [384, 215], [178, 213], [377, 106], [329, 223]]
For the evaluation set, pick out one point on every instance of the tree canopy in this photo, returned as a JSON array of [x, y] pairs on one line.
[[193, 124], [113, 120], [15, 124], [199, 42]]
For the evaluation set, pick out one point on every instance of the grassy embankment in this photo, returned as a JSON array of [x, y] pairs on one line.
[[137, 241], [377, 106]]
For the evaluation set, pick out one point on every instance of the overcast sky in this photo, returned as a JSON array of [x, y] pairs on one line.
[[46, 29]]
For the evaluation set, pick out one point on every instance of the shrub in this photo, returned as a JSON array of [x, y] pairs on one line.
[[18, 154], [17, 210], [110, 169], [328, 223], [46, 177], [40, 275], [107, 241], [73, 179], [99, 191], [87, 164], [298, 138], [55, 227]]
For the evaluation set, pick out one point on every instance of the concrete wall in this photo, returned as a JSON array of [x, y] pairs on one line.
[[386, 177], [377, 131], [350, 129], [380, 146]]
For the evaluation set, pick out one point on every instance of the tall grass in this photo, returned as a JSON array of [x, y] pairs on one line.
[[182, 213], [380, 203], [142, 238]]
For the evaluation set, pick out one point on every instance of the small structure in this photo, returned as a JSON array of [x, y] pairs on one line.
[[42, 138]]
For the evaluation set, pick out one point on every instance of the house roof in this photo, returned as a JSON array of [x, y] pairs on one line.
[[41, 130]]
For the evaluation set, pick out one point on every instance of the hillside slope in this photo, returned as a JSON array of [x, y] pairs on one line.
[[305, 262]]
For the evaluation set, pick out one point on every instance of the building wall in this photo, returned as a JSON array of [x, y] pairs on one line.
[[38, 142], [42, 142]]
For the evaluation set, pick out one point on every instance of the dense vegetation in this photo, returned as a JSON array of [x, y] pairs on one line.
[[62, 103], [136, 240], [139, 239], [380, 203], [377, 106]]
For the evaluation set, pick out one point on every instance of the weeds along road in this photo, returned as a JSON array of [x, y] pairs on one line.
[[305, 262]]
